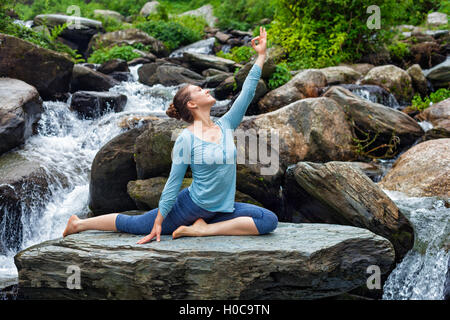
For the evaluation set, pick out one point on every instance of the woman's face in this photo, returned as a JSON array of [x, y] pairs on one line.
[[201, 97]]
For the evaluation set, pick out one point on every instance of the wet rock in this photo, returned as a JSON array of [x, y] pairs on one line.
[[305, 84], [312, 129], [296, 261], [25, 186], [46, 70], [78, 34], [84, 78], [437, 114], [153, 148], [128, 37], [203, 47], [418, 79], [112, 168], [168, 74], [200, 62], [422, 171], [338, 193], [439, 75], [20, 111], [340, 74], [225, 89], [92, 104], [214, 81], [113, 65], [426, 54], [393, 79], [376, 119]]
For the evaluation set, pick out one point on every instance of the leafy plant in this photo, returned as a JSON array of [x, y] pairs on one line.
[[238, 54], [102, 55], [280, 76], [421, 104], [399, 50], [173, 34]]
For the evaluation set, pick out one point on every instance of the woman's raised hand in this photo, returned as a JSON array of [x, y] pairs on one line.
[[260, 48]]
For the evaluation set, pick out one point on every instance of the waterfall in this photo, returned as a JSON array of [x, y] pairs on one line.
[[65, 147], [421, 275]]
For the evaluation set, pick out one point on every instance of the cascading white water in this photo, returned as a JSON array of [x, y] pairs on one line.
[[66, 146], [422, 273]]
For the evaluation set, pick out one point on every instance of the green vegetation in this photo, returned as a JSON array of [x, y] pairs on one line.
[[421, 104], [239, 54], [313, 33], [280, 76], [116, 52], [174, 33], [399, 50]]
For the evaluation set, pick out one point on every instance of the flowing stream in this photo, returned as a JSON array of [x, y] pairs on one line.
[[66, 146]]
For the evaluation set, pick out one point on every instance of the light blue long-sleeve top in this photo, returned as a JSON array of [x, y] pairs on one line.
[[213, 165]]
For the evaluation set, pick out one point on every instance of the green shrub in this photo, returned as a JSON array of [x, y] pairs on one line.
[[399, 50], [102, 55], [320, 33], [238, 54], [280, 76], [243, 14], [421, 104], [173, 34]]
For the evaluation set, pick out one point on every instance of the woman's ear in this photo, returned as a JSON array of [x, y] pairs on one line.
[[191, 105]]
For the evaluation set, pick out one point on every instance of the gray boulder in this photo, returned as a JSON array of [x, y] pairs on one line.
[[20, 111], [149, 8], [200, 62], [376, 119], [168, 74], [305, 84], [77, 35], [128, 37], [25, 186], [439, 75], [205, 11], [394, 79], [339, 193], [84, 78], [46, 70], [296, 261], [92, 104]]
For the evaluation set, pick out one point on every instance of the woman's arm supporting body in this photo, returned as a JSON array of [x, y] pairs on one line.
[[172, 186]]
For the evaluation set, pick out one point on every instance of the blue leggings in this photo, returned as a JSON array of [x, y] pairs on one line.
[[186, 212]]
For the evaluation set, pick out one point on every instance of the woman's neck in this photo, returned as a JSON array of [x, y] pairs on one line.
[[203, 120]]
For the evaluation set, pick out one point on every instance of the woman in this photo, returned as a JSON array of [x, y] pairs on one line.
[[207, 207]]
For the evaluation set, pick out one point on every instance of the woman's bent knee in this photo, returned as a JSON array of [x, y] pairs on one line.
[[268, 223]]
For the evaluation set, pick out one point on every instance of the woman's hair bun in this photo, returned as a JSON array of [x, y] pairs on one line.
[[173, 112]]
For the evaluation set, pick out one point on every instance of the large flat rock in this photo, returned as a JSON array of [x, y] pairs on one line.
[[296, 261]]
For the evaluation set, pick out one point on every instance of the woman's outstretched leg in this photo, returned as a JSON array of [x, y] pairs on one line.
[[105, 222]]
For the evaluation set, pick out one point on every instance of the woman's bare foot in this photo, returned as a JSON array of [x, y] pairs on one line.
[[198, 229], [71, 225]]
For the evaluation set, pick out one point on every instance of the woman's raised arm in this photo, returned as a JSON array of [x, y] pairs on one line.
[[235, 115]]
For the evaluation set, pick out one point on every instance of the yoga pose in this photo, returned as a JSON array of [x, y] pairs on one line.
[[206, 207]]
